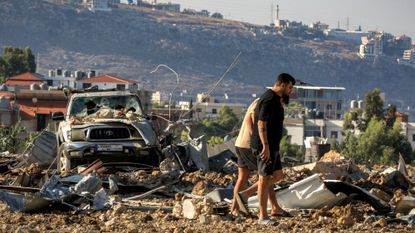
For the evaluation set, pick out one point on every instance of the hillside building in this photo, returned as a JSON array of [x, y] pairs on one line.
[[346, 35], [24, 81], [320, 102], [408, 58], [97, 5], [208, 107], [108, 82], [32, 108], [159, 6], [371, 47]]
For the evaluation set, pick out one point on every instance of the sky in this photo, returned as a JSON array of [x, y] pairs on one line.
[[393, 16]]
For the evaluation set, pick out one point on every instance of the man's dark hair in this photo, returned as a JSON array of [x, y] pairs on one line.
[[285, 78]]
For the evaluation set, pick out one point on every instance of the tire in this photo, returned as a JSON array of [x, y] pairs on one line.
[[63, 162]]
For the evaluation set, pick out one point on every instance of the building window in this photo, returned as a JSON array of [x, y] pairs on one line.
[[413, 137], [121, 87], [50, 82], [310, 104], [312, 131], [334, 134], [339, 106], [86, 85], [214, 111], [328, 107]]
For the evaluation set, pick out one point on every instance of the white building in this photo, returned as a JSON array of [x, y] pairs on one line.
[[97, 5], [211, 110], [107, 82], [409, 131], [330, 129], [346, 35], [208, 107], [371, 47], [300, 129], [408, 58], [159, 97], [320, 102]]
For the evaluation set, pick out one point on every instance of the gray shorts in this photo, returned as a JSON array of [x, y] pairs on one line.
[[269, 167], [246, 159]]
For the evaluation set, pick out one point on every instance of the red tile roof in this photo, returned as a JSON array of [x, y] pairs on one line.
[[7, 94], [25, 79], [106, 79], [29, 109]]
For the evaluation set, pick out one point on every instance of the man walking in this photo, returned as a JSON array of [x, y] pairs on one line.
[[266, 137], [246, 160]]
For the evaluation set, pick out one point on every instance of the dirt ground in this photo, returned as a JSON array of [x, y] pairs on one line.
[[353, 216], [349, 218]]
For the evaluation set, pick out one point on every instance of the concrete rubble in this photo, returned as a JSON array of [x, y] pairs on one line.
[[189, 194]]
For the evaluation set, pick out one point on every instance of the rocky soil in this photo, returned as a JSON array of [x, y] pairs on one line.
[[163, 214]]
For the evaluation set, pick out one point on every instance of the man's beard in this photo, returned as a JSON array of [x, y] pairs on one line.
[[285, 99]]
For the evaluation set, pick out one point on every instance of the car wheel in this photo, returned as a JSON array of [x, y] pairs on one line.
[[63, 163]]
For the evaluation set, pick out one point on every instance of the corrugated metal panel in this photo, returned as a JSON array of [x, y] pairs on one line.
[[217, 149], [44, 149]]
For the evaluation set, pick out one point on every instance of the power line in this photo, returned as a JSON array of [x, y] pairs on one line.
[[230, 67]]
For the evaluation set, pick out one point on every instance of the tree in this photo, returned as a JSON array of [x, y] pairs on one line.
[[225, 123], [12, 141], [380, 139], [378, 144], [215, 141], [358, 119], [373, 105], [287, 149], [217, 15], [2, 69], [16, 61], [390, 117], [227, 119]]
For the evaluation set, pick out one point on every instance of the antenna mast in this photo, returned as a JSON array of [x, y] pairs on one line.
[[347, 23]]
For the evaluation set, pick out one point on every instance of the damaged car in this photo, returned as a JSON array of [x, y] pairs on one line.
[[108, 125]]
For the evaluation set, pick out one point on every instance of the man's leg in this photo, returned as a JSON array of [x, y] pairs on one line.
[[263, 187], [241, 184], [276, 177]]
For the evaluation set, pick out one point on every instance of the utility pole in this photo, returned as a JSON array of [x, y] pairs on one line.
[[175, 87], [37, 62]]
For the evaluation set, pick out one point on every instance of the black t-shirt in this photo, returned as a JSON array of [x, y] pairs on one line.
[[268, 109]]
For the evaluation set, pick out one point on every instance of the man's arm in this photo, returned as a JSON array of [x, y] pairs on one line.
[[249, 122], [262, 131]]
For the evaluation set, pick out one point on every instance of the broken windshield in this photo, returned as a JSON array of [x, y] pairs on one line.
[[86, 105]]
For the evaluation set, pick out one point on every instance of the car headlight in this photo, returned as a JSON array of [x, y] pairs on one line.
[[75, 153], [78, 135]]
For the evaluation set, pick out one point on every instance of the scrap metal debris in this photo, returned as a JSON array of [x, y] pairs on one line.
[[332, 193]]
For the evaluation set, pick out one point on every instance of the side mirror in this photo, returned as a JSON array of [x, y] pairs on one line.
[[58, 116]]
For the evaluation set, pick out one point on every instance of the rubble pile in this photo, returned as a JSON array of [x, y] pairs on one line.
[[333, 194]]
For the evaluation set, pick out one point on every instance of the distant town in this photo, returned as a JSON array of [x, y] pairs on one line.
[[31, 98], [372, 43]]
